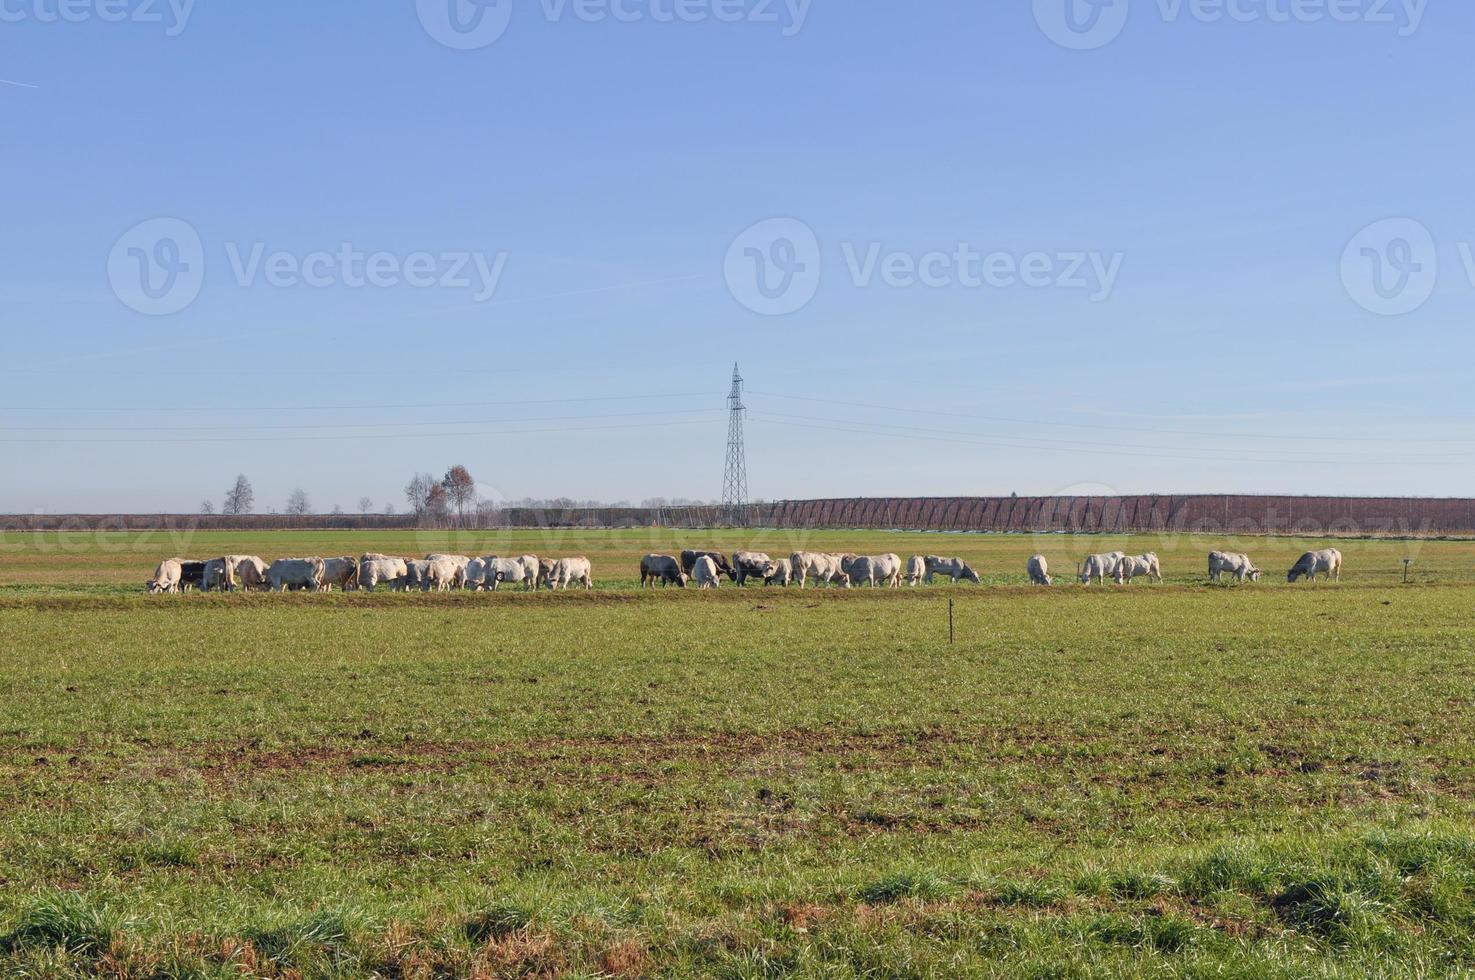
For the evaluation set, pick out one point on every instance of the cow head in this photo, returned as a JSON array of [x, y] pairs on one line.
[[969, 575], [1254, 575]]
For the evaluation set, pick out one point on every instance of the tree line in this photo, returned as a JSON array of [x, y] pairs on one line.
[[451, 499]]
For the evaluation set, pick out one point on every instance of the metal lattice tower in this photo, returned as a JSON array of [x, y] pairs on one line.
[[735, 478]]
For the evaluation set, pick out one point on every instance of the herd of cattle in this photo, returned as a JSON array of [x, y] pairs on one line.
[[706, 569]]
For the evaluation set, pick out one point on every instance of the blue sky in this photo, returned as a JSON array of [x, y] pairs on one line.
[[619, 177]]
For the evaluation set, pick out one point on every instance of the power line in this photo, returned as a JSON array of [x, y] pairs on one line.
[[1116, 428], [385, 435], [61, 409], [342, 425], [845, 426]]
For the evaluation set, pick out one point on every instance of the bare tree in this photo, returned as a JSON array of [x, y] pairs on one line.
[[417, 492], [460, 490], [389, 510], [437, 503], [206, 507], [298, 504], [240, 499], [365, 505], [337, 510]]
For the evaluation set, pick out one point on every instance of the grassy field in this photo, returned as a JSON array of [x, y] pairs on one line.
[[1175, 780]]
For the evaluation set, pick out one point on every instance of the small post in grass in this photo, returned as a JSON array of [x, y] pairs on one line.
[[1406, 562], [951, 636]]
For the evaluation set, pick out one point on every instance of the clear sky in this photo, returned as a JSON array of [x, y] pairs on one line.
[[1138, 246]]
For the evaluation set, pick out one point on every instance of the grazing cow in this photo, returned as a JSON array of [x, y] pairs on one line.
[[529, 577], [444, 574], [248, 572], [519, 571], [749, 564], [1240, 566], [779, 572], [955, 568], [661, 569], [340, 572], [820, 567], [874, 570], [861, 571], [1314, 563], [573, 570], [1100, 567], [191, 575], [1129, 568], [888, 570], [689, 560], [704, 572], [219, 576], [478, 574], [1039, 571], [382, 571], [460, 561], [416, 574], [916, 568], [166, 577], [545, 572], [296, 573]]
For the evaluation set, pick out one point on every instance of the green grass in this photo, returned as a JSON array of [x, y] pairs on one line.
[[1175, 780]]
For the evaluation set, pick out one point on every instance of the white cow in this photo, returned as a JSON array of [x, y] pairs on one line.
[[519, 571], [247, 571], [704, 572], [166, 577], [820, 567], [460, 561], [955, 568], [305, 573], [575, 570], [477, 572], [888, 570], [444, 574], [1314, 563], [916, 568], [875, 570], [382, 571], [1129, 568], [1100, 567], [1039, 570], [749, 564], [1240, 566], [529, 565], [416, 574], [779, 572], [340, 572]]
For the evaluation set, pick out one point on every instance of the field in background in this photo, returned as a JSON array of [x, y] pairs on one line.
[[1177, 780], [94, 559]]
